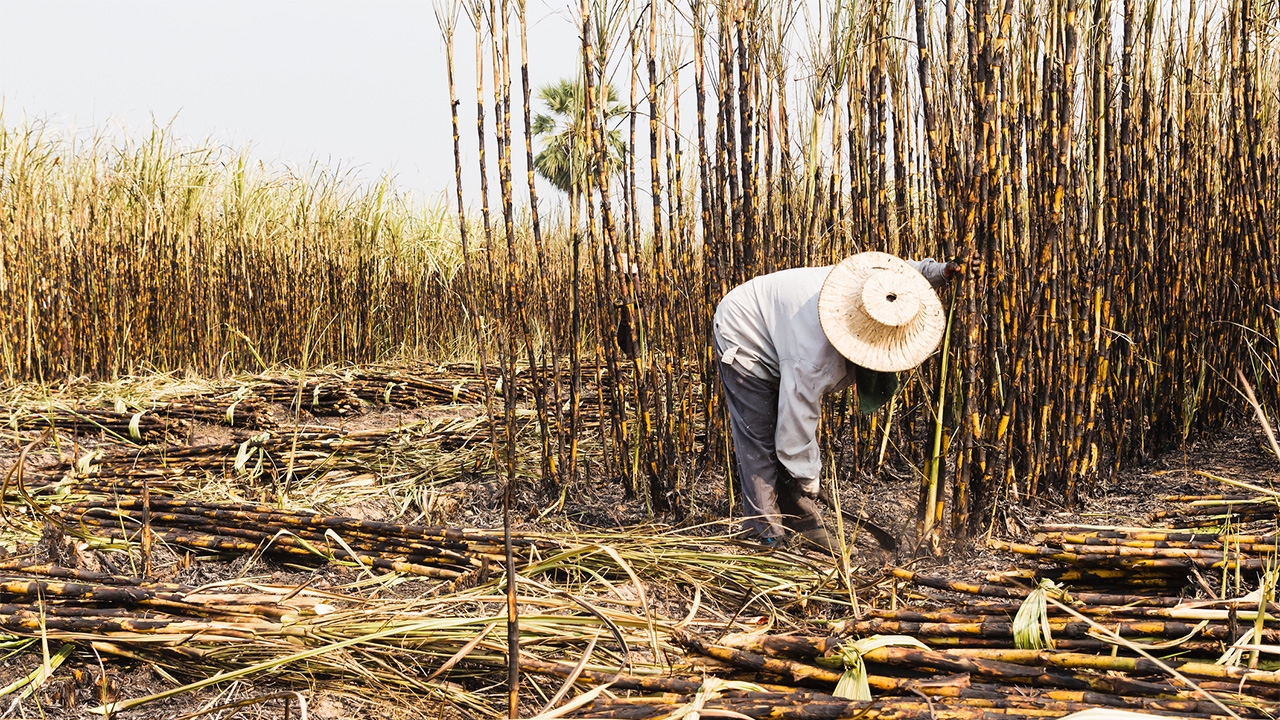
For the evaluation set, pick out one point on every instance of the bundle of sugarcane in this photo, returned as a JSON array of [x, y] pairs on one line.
[[462, 433], [71, 597], [298, 536], [306, 537], [893, 666], [298, 451], [1151, 552], [1005, 589], [238, 411], [1111, 540], [593, 378], [1074, 623], [318, 395], [714, 567], [750, 700], [1020, 583], [1115, 580], [995, 627], [1221, 510], [521, 378], [447, 647], [1150, 559], [411, 390], [114, 424]]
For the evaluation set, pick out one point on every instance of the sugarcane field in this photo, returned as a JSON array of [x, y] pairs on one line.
[[793, 360]]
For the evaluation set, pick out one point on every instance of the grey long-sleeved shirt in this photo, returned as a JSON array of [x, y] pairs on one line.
[[769, 327]]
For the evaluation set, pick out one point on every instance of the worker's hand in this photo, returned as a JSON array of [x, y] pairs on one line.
[[961, 265]]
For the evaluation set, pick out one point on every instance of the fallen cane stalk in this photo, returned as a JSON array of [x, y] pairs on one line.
[[1103, 630], [1257, 409]]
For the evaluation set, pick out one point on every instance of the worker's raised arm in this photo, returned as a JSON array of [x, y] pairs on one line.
[[939, 274], [933, 271]]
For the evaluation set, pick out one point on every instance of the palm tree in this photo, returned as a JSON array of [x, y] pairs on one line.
[[567, 159]]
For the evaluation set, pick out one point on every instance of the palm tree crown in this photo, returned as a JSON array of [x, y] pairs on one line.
[[567, 159]]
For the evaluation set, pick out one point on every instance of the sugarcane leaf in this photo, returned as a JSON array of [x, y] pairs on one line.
[[329, 533], [1031, 629], [875, 642], [242, 455], [853, 683], [711, 689], [1235, 653], [85, 463], [33, 680], [15, 646]]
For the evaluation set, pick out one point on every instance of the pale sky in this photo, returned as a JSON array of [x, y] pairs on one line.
[[356, 84]]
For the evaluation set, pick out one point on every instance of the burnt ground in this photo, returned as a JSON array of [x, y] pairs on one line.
[[887, 496], [1238, 452]]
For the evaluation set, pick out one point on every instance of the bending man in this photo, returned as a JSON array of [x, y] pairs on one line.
[[786, 339]]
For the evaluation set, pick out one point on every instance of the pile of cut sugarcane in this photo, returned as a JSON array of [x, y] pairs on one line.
[[237, 409], [127, 516], [307, 538], [261, 464], [441, 649], [123, 424], [430, 636], [1147, 557], [1020, 644], [1252, 508], [245, 403], [928, 647]]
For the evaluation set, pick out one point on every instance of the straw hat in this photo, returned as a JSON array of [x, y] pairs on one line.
[[880, 312]]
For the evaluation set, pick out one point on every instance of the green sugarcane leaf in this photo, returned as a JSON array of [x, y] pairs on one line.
[[853, 683], [1031, 628], [135, 430]]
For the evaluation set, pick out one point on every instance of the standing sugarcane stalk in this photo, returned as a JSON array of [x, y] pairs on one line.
[[476, 12], [514, 303], [930, 507], [556, 463]]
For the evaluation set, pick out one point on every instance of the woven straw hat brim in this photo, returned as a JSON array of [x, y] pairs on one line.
[[878, 311]]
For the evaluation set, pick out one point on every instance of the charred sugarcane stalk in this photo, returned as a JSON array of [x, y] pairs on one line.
[[120, 425], [998, 591]]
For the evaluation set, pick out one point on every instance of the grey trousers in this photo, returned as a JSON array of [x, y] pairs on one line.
[[753, 416]]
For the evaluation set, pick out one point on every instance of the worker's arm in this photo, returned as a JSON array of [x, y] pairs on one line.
[[800, 391], [939, 274], [935, 272]]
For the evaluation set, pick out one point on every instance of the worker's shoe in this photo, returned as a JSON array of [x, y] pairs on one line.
[[802, 515], [776, 542]]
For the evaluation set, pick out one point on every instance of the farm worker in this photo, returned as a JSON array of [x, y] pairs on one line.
[[786, 339]]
